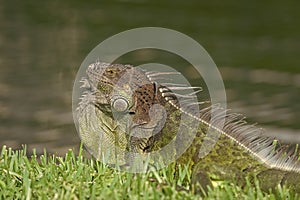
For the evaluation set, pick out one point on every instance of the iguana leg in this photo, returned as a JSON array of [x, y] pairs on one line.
[[201, 178], [206, 175], [291, 180], [271, 178]]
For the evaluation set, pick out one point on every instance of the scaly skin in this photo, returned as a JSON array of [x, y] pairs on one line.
[[122, 101]]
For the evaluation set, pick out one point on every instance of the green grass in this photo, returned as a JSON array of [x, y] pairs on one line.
[[76, 177]]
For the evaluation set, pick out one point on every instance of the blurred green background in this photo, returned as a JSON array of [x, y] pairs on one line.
[[255, 44]]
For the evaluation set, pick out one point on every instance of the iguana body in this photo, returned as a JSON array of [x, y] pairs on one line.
[[124, 110]]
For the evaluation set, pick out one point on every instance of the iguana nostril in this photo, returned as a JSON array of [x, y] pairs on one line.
[[91, 66]]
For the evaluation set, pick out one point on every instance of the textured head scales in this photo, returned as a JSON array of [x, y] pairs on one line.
[[119, 111]]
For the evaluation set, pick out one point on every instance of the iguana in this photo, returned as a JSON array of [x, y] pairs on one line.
[[123, 112]]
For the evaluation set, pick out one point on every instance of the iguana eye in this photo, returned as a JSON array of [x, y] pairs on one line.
[[111, 72], [120, 104]]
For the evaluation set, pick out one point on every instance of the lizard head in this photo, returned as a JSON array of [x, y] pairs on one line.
[[120, 109], [122, 90]]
